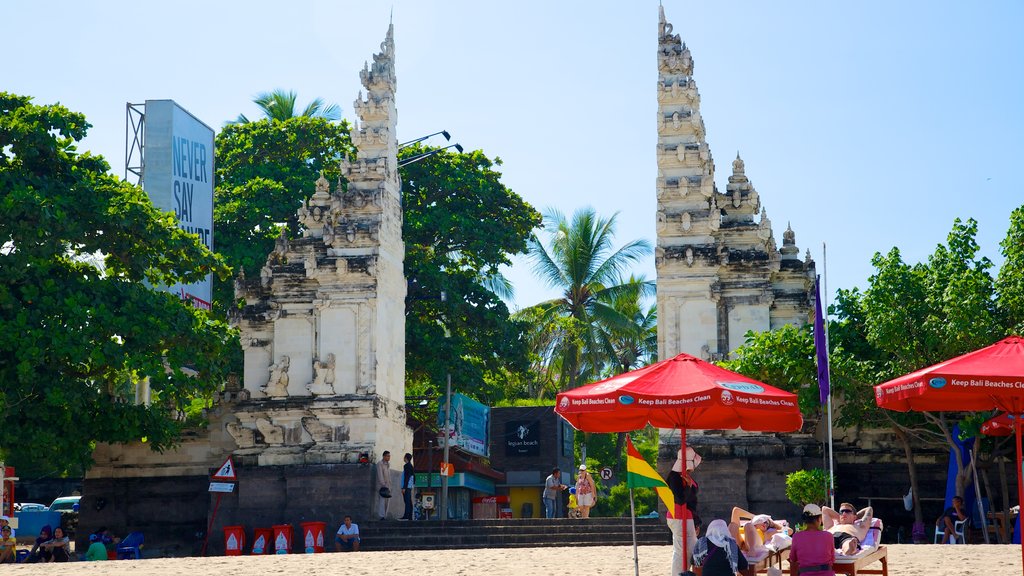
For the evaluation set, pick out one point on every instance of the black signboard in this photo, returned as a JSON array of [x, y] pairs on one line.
[[522, 438]]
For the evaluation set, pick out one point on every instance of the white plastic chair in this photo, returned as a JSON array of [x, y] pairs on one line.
[[958, 533]]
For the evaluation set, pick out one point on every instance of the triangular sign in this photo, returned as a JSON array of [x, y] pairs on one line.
[[226, 471]]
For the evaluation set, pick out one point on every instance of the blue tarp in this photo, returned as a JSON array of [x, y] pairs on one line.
[[29, 523]]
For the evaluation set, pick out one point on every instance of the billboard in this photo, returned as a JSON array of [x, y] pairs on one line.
[[467, 425], [178, 177]]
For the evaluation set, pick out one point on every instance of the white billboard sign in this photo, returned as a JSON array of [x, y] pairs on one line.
[[178, 177]]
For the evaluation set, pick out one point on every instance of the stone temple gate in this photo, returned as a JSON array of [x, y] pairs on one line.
[[323, 392]]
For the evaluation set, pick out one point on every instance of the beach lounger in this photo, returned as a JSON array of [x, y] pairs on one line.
[[858, 564], [759, 564]]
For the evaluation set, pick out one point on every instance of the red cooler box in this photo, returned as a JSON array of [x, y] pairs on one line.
[[486, 507], [262, 541], [282, 539], [234, 540], [313, 536]]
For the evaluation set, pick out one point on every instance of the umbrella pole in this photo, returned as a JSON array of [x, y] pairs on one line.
[[632, 520], [1020, 483], [686, 523]]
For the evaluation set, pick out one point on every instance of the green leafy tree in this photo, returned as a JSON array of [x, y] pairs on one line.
[[581, 262], [265, 169], [1010, 281], [461, 224], [281, 105], [79, 328]]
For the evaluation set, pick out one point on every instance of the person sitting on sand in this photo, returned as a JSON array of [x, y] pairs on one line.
[[8, 546], [757, 531], [954, 513], [848, 527], [96, 551], [347, 538], [41, 553]]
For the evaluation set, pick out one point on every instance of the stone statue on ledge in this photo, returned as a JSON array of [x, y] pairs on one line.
[[323, 380], [277, 386]]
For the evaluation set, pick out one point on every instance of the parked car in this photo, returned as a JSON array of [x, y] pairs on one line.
[[29, 507], [68, 508]]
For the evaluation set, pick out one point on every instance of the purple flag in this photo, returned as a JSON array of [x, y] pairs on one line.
[[820, 344]]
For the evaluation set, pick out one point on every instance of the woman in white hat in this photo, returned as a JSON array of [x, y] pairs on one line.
[[586, 493]]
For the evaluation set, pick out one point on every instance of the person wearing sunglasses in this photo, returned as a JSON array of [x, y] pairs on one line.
[[849, 527]]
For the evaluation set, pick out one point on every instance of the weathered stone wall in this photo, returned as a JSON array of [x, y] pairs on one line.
[[171, 511]]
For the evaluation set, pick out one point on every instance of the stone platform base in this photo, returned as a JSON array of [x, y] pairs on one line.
[[174, 512]]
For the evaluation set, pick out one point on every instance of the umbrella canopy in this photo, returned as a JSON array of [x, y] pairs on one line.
[[986, 379], [681, 392], [998, 425]]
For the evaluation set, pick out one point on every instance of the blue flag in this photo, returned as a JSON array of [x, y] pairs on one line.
[[820, 343]]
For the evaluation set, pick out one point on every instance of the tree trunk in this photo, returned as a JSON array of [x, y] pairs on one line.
[[912, 471]]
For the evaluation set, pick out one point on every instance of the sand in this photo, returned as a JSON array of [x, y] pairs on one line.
[[904, 560]]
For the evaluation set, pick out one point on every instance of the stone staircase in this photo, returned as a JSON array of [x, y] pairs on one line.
[[526, 533]]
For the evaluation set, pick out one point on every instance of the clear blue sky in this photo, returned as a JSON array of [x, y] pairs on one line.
[[865, 124]]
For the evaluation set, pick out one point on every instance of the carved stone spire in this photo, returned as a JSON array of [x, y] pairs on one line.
[[789, 249]]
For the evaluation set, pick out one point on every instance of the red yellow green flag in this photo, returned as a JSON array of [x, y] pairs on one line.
[[640, 474]]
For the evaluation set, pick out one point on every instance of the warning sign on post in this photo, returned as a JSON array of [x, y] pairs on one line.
[[226, 471]]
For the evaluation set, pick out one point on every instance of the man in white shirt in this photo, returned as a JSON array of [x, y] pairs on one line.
[[347, 538]]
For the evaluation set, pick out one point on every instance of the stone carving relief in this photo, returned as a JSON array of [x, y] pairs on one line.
[[317, 430], [659, 256], [272, 434], [737, 198], [685, 221], [661, 221], [244, 437], [277, 386], [689, 256], [323, 379]]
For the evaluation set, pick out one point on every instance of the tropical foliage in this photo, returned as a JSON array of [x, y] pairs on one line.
[[575, 334], [281, 105], [80, 328], [461, 224]]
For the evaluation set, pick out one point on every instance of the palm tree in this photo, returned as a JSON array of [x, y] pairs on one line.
[[581, 262], [636, 344], [280, 105]]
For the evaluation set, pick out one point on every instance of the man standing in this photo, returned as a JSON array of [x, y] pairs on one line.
[[408, 483], [383, 484], [552, 487]]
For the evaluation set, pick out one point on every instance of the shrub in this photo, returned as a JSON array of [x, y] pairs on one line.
[[807, 487]]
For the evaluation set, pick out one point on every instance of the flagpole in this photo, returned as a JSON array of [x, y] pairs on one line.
[[828, 370], [632, 520]]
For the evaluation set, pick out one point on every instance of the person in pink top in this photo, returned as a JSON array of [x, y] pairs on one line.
[[812, 552]]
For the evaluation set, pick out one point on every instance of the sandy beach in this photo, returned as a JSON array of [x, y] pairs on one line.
[[904, 560]]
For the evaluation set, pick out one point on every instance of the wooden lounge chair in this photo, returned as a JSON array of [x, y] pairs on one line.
[[858, 564], [760, 564]]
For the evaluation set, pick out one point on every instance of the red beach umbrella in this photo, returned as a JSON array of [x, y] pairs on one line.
[[991, 378], [999, 425], [681, 392]]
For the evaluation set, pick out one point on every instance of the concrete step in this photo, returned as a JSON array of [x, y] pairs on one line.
[[534, 532]]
